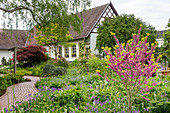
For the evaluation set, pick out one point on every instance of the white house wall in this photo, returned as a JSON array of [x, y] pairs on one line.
[[5, 53], [70, 58], [160, 42], [93, 37]]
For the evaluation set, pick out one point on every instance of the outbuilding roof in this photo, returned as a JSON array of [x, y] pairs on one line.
[[12, 38]]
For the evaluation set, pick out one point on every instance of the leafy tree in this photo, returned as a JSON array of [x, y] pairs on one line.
[[166, 48], [4, 62], [43, 12], [53, 36], [31, 55], [123, 25]]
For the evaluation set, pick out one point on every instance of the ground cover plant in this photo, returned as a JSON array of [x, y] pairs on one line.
[[10, 79], [90, 93]]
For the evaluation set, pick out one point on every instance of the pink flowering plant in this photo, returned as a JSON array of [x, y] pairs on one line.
[[134, 64]]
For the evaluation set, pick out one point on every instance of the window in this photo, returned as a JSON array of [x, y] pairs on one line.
[[60, 51], [74, 51], [67, 52]]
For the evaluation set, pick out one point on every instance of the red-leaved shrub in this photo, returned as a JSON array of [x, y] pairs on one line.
[[31, 54]]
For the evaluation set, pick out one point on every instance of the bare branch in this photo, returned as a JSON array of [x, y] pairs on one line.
[[11, 11], [21, 8]]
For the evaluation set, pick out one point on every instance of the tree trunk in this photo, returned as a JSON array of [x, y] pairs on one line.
[[129, 104]]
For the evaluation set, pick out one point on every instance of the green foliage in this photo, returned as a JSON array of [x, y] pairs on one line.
[[95, 63], [123, 25], [4, 62], [82, 60], [48, 69], [9, 61], [159, 96], [53, 35], [40, 12], [10, 79], [2, 71], [62, 62], [84, 93], [166, 48], [59, 71], [74, 63]]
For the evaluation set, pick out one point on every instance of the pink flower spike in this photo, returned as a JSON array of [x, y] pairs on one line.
[[145, 94], [154, 84], [146, 98], [99, 74], [147, 89], [106, 77], [145, 82]]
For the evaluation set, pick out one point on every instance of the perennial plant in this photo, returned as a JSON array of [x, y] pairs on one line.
[[134, 63]]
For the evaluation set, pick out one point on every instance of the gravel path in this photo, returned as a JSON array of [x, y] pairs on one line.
[[21, 92]]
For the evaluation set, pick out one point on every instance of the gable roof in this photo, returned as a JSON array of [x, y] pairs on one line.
[[90, 19], [160, 33], [12, 38]]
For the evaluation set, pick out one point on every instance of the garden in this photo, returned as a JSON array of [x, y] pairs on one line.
[[123, 82]]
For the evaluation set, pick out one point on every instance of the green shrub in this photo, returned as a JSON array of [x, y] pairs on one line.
[[62, 62], [75, 63], [4, 62], [9, 61], [95, 63], [48, 69], [59, 71], [10, 79], [2, 71], [15, 78]]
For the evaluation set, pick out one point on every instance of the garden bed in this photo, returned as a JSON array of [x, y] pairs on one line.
[[89, 93]]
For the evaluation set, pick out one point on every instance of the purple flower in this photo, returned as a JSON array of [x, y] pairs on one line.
[[95, 109], [6, 110], [146, 109], [96, 101], [52, 99], [86, 107], [93, 97], [39, 90], [92, 108], [59, 89], [29, 94], [54, 89]]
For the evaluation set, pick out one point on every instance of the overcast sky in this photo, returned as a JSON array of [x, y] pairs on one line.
[[155, 12]]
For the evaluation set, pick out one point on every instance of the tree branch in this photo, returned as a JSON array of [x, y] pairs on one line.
[[21, 8]]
